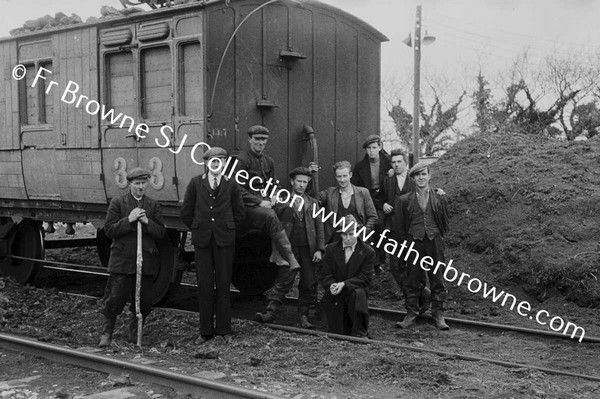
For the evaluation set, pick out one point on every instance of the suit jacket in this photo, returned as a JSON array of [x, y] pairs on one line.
[[207, 215], [123, 250], [361, 176], [405, 206], [330, 197], [315, 230], [392, 191], [356, 275]]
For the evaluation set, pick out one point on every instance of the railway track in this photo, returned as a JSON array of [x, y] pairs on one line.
[[398, 315], [458, 348], [198, 387]]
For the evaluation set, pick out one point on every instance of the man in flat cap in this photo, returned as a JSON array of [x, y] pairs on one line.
[[370, 173], [213, 209], [306, 234], [121, 225], [259, 213], [346, 277], [421, 217]]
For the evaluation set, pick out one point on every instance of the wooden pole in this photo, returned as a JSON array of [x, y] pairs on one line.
[[417, 89], [138, 284]]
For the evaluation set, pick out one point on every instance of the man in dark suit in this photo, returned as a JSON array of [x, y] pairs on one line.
[[394, 187], [422, 218], [121, 226], [346, 278], [346, 199], [306, 234], [370, 173], [213, 209]]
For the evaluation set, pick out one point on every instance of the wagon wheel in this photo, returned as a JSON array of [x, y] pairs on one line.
[[103, 247], [168, 277], [27, 241], [253, 274]]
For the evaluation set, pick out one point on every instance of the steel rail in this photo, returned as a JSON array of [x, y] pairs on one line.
[[430, 351], [369, 341], [180, 382], [493, 326], [376, 310]]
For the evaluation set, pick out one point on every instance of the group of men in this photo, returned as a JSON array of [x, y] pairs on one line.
[[379, 193]]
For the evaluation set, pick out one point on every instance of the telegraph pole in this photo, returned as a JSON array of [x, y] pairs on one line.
[[417, 88]]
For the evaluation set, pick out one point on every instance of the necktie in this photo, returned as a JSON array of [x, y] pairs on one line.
[[347, 253], [215, 185]]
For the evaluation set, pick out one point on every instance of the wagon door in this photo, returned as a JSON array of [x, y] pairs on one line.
[[189, 135], [137, 81]]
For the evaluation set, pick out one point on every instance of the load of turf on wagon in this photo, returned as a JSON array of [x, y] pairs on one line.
[[61, 19], [525, 213]]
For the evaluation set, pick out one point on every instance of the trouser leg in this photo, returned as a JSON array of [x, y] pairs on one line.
[[266, 220], [119, 292], [360, 321], [307, 286], [379, 250], [205, 278], [398, 271], [223, 270]]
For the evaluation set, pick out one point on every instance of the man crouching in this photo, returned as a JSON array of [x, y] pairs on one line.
[[346, 277]]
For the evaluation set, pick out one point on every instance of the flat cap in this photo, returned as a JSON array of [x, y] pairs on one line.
[[214, 152], [373, 138], [300, 170], [347, 223], [417, 168], [257, 129], [138, 173]]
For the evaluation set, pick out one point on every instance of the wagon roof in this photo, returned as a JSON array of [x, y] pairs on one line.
[[190, 7]]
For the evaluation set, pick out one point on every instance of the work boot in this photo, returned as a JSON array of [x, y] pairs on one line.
[[412, 312], [267, 317], [108, 326], [438, 316], [424, 300], [304, 323], [270, 315], [283, 246]]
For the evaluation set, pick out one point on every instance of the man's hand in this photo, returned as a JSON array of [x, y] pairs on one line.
[[313, 167], [387, 208], [318, 256], [265, 204], [391, 172], [137, 213], [336, 288], [439, 191]]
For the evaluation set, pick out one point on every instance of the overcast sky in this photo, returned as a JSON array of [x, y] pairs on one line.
[[471, 34]]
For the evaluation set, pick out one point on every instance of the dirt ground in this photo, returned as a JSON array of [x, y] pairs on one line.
[[524, 217]]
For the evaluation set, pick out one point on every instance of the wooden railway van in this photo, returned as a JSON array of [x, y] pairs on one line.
[[72, 127]]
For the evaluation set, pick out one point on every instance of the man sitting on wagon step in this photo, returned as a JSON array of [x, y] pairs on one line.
[[259, 214], [121, 226]]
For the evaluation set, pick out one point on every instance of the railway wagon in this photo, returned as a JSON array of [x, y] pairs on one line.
[[81, 105]]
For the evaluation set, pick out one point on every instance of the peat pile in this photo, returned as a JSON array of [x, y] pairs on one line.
[[525, 212]]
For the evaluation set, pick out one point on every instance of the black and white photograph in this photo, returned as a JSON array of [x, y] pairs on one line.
[[305, 199]]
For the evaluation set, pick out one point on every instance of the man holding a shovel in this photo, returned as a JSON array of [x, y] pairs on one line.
[[125, 215]]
